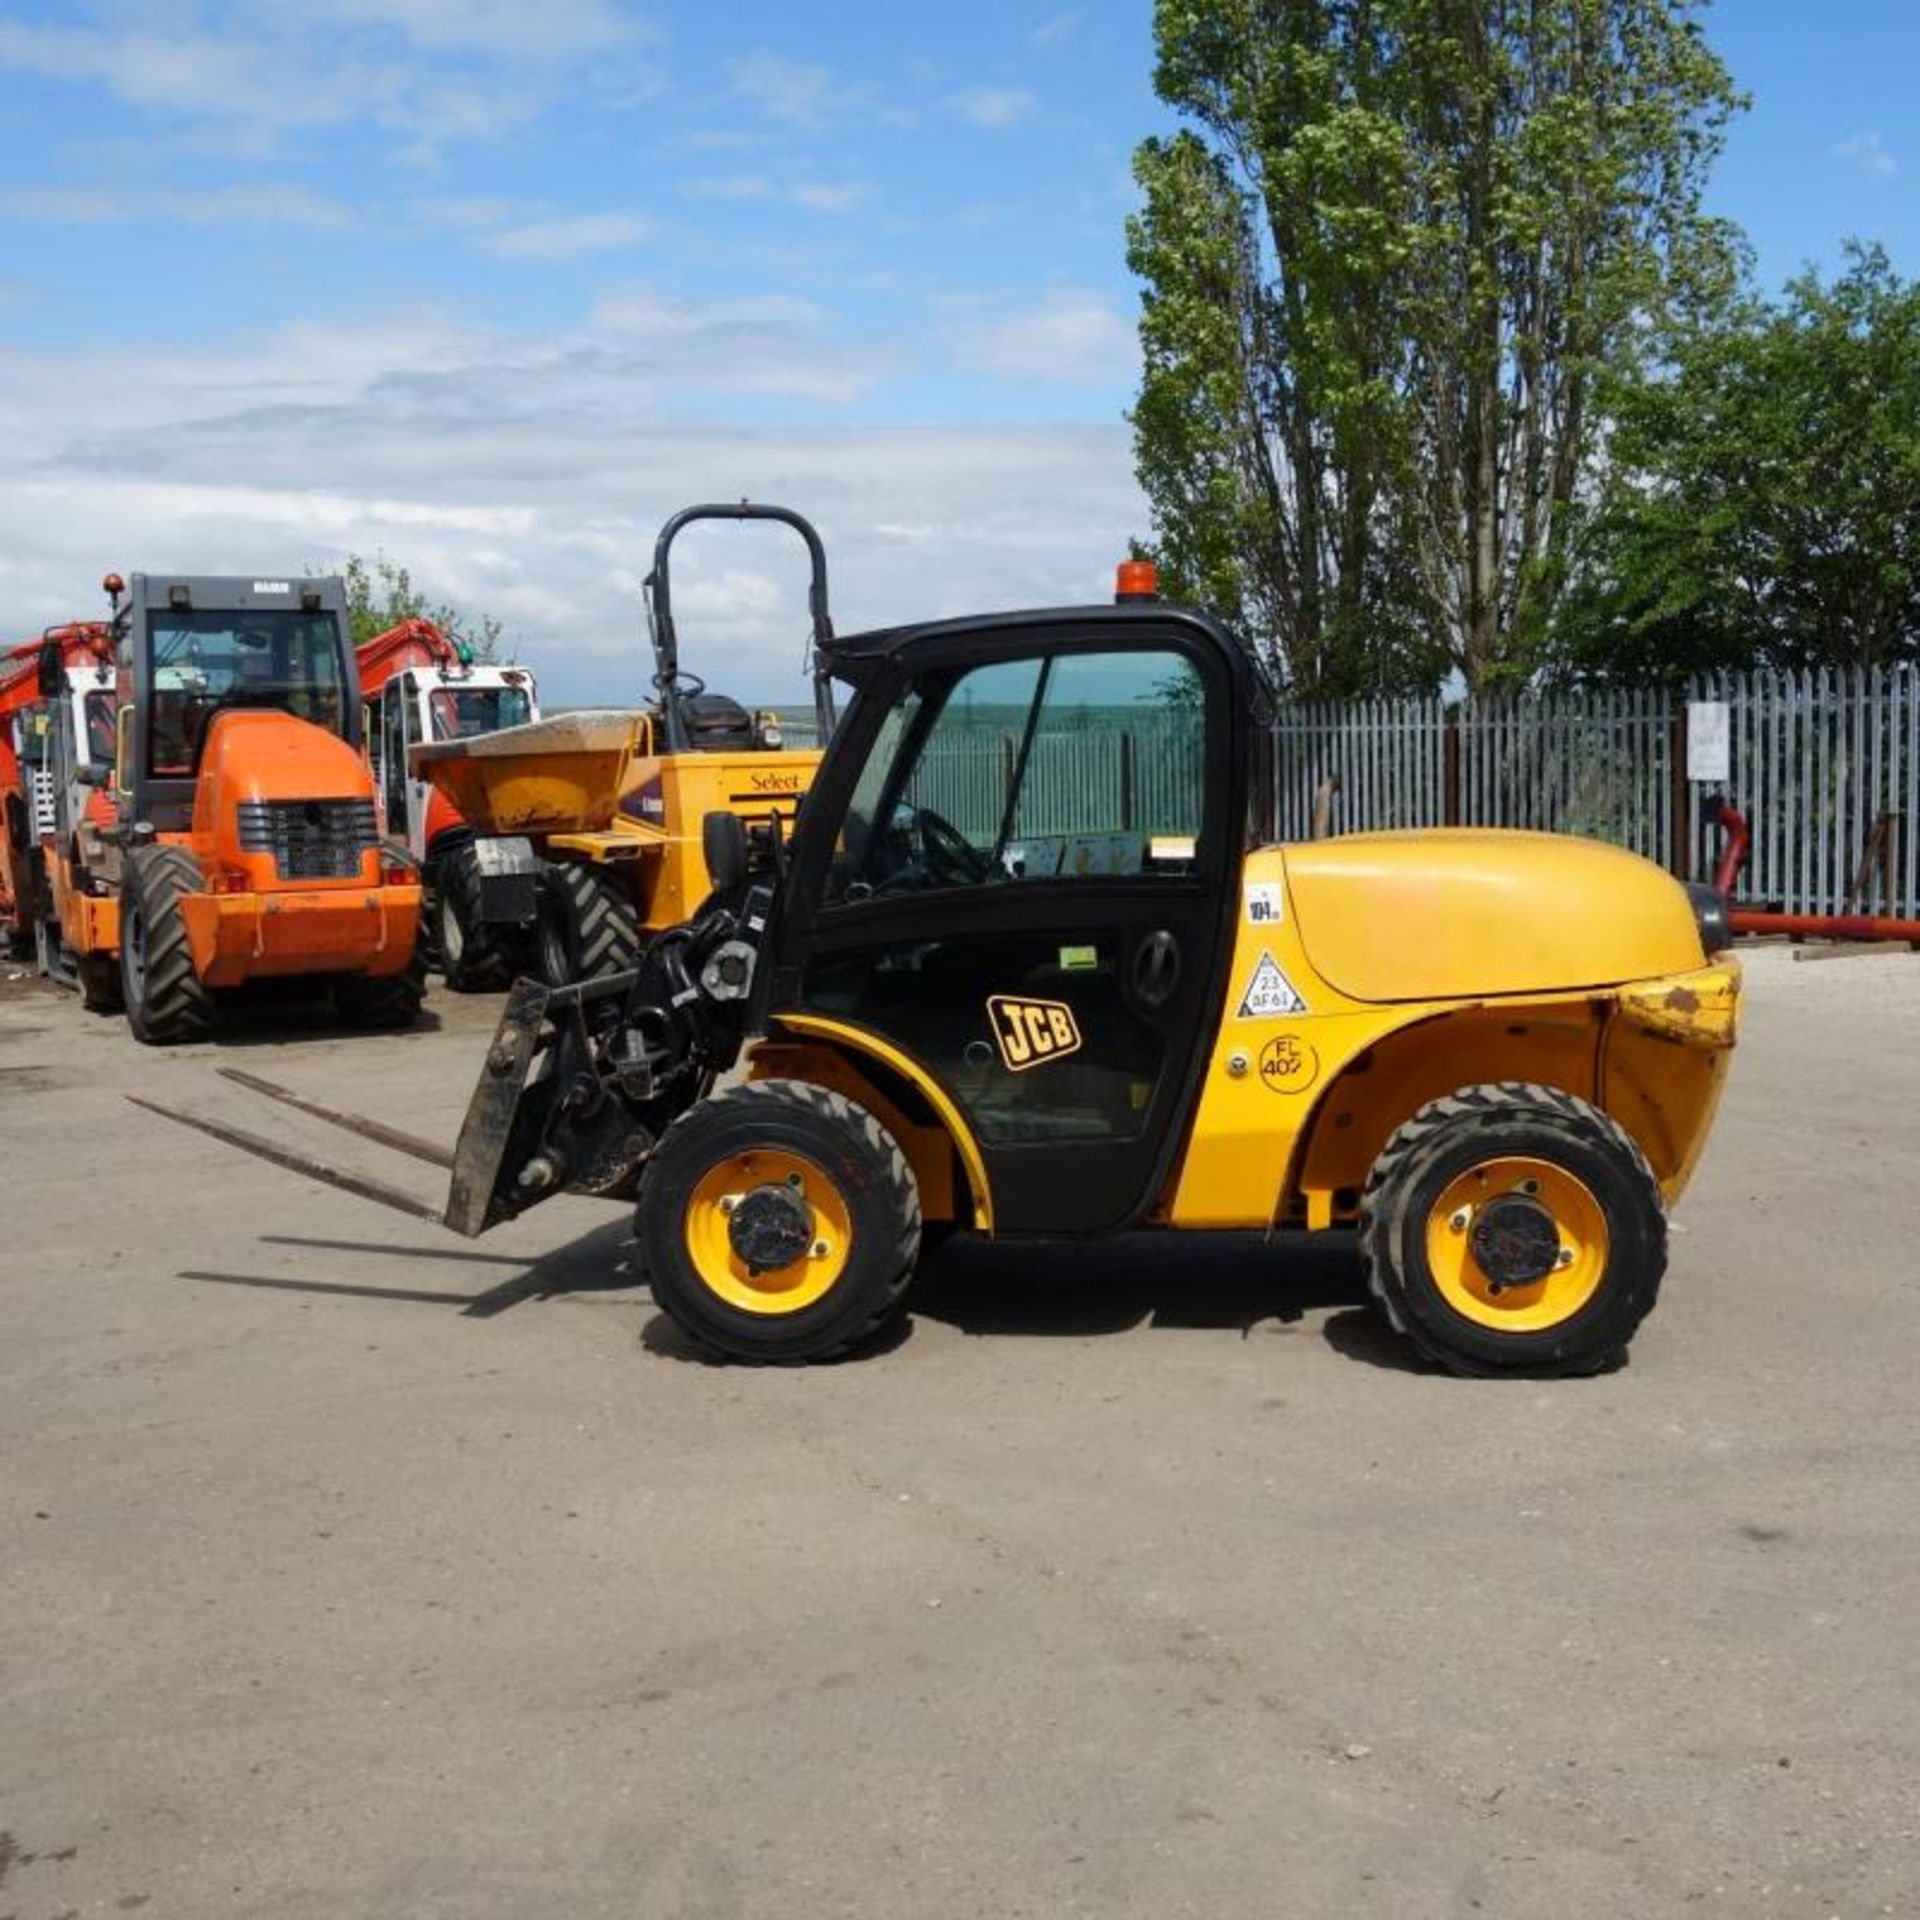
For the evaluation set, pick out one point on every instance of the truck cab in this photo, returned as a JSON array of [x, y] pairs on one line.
[[422, 687]]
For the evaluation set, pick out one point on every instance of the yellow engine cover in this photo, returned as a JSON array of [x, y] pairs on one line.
[[1470, 912]]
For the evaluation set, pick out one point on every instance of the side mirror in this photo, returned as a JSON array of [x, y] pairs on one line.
[[723, 840], [53, 672]]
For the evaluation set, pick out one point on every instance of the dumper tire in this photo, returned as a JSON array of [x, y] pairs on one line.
[[167, 1003], [382, 1002], [588, 925], [98, 976], [473, 955], [1544, 1152], [826, 1175]]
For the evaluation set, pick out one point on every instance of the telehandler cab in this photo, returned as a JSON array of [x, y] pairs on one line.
[[1010, 983]]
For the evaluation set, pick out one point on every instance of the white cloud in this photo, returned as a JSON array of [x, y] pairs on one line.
[[813, 196], [553, 29], [830, 196], [1056, 29], [797, 92], [993, 107], [731, 186], [470, 211], [249, 77], [527, 476], [567, 236], [1072, 338], [1868, 150], [271, 205]]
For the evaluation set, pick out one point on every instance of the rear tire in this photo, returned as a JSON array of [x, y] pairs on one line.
[[588, 925], [1554, 1284], [474, 956], [385, 1001], [837, 1215], [167, 1003]]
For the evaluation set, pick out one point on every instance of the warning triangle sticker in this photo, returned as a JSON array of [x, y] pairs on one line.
[[1269, 993]]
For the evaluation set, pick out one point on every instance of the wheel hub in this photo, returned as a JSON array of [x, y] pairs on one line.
[[770, 1227], [1515, 1240]]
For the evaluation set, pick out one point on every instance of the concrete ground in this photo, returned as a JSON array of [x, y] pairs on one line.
[[351, 1570]]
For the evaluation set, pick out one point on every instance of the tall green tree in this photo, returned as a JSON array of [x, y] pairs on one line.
[[1390, 268], [381, 594], [1766, 508]]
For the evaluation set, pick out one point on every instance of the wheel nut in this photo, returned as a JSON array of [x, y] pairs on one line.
[[1460, 1220], [728, 1202], [1564, 1258], [1529, 1186], [793, 1180], [819, 1249]]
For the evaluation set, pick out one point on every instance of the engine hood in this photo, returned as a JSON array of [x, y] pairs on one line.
[[1464, 913]]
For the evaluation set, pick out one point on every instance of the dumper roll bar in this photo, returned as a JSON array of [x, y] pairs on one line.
[[666, 641]]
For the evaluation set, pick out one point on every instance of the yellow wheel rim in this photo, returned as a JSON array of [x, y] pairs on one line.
[[1533, 1306], [769, 1290]]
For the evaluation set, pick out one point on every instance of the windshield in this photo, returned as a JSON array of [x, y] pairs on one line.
[[460, 712], [210, 662]]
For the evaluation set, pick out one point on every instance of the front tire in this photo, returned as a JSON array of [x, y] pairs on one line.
[[473, 955], [778, 1222], [588, 926], [167, 1002], [1514, 1229]]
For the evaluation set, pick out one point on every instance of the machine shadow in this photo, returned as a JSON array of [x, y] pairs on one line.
[[1224, 1281], [601, 1261], [278, 1013], [1219, 1282]]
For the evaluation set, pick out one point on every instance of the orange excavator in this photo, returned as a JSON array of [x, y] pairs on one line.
[[421, 684], [239, 838], [28, 717]]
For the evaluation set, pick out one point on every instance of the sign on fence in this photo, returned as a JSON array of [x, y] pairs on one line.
[[1709, 742]]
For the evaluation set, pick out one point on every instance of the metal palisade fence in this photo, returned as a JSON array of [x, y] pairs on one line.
[[1824, 765]]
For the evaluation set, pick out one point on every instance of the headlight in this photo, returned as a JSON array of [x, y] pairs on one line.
[[1710, 916]]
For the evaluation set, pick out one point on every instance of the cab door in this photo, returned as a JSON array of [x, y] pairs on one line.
[[1018, 870]]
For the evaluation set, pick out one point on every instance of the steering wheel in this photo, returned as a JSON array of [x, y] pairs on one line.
[[952, 859]]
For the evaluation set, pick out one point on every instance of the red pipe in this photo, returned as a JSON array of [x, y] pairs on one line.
[[1733, 855], [1799, 926], [1825, 926]]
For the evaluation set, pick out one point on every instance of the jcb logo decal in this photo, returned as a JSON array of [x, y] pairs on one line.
[[1031, 1032]]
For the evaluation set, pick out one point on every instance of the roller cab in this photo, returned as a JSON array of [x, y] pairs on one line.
[[220, 824]]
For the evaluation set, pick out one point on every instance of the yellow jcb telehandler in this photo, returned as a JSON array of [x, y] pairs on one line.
[[1021, 978]]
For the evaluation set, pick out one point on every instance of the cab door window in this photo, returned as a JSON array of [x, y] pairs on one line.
[[1062, 766]]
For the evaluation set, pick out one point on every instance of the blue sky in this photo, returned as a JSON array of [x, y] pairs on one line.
[[493, 287]]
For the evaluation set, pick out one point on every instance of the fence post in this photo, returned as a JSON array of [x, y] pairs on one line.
[[1126, 781], [1679, 795], [1450, 738]]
